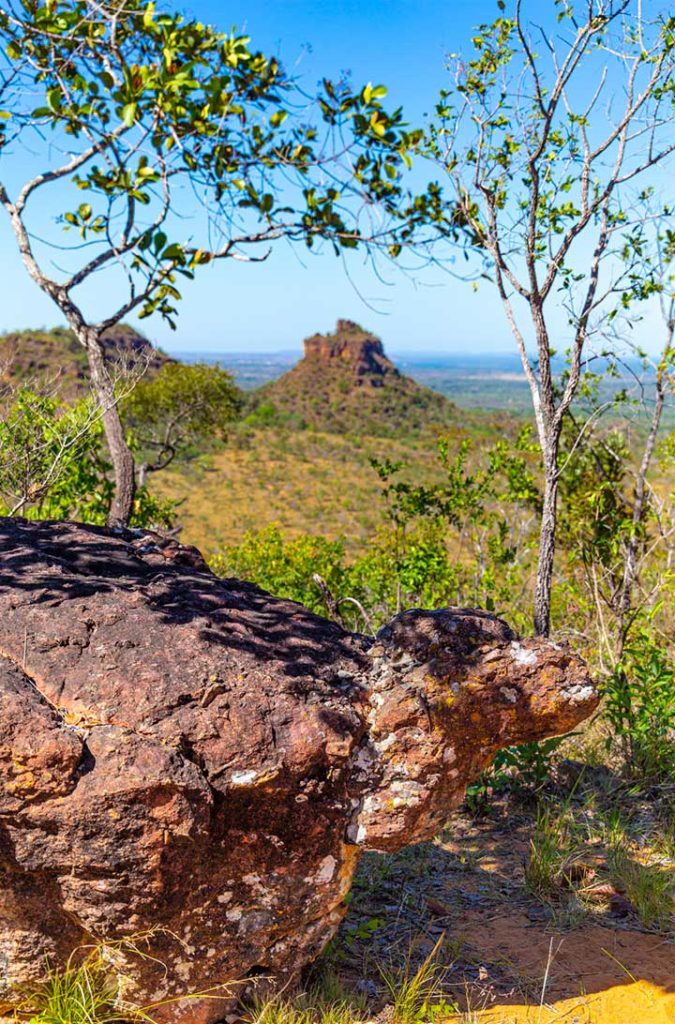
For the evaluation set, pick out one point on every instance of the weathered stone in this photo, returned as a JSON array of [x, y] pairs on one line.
[[354, 347], [191, 754]]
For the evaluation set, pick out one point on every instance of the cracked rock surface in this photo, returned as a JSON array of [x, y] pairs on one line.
[[189, 754]]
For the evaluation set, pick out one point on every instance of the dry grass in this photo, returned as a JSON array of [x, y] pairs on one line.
[[306, 482], [92, 987], [649, 887]]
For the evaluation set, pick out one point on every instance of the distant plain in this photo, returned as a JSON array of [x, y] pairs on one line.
[[488, 381]]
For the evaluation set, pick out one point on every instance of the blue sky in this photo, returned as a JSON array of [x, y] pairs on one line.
[[272, 306]]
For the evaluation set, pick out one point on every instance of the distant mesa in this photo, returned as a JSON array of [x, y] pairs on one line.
[[346, 384]]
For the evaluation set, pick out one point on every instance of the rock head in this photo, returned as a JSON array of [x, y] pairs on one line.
[[195, 759]]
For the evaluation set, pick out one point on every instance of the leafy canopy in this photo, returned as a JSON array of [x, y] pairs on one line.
[[150, 115], [179, 407], [53, 466]]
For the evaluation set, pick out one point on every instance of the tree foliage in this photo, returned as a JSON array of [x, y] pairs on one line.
[[181, 406], [53, 464], [550, 184]]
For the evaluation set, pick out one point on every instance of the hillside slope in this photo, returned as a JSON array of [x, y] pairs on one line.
[[346, 384], [57, 359]]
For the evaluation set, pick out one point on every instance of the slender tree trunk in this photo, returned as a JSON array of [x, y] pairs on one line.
[[120, 454], [547, 534]]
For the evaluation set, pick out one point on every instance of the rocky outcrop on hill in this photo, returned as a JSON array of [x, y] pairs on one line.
[[191, 757], [57, 360], [354, 349], [346, 384]]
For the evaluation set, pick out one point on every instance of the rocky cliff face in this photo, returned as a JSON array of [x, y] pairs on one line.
[[345, 383], [352, 348], [192, 757]]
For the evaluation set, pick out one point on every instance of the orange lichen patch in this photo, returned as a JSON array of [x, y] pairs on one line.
[[350, 856], [24, 780], [80, 718]]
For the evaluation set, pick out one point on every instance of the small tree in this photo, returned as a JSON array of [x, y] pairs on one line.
[[50, 456], [144, 115], [180, 407], [547, 176], [53, 463], [657, 280]]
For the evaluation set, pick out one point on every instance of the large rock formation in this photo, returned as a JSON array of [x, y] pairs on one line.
[[355, 349], [191, 754], [345, 383]]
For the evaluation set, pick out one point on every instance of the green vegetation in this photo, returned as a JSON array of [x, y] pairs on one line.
[[538, 178], [467, 536], [54, 359], [177, 409], [640, 706], [571, 873], [397, 523], [305, 481], [155, 104], [347, 486], [415, 994], [53, 464], [448, 542], [324, 1002], [91, 987], [650, 888], [84, 992]]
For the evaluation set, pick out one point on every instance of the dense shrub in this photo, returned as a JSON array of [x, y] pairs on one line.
[[640, 707], [53, 464]]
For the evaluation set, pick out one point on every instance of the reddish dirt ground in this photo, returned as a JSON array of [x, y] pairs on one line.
[[506, 958]]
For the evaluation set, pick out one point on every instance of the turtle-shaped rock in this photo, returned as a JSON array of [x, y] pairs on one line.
[[190, 757]]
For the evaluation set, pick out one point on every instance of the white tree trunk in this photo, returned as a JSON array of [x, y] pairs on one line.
[[122, 459]]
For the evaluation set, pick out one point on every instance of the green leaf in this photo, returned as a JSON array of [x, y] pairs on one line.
[[54, 98], [129, 114], [173, 252], [278, 118]]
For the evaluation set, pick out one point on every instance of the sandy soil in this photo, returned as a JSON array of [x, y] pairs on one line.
[[506, 958], [595, 975]]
